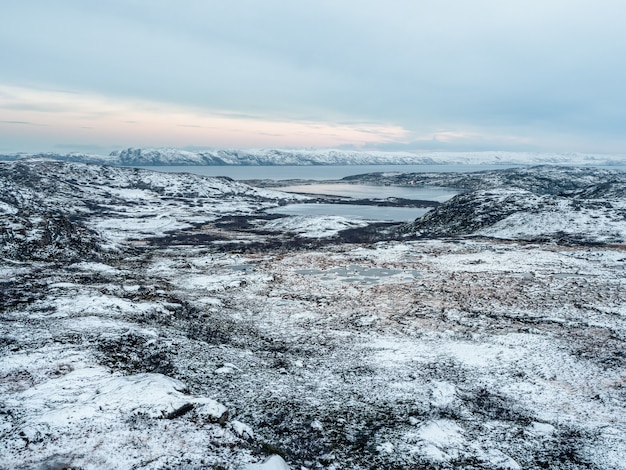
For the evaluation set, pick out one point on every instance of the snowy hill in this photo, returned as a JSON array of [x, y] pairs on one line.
[[66, 210], [144, 324], [569, 205], [169, 156]]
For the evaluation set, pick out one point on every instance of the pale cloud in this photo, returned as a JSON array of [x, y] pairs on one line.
[[95, 120], [541, 74]]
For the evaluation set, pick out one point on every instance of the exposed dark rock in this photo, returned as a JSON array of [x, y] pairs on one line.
[[178, 412], [47, 237]]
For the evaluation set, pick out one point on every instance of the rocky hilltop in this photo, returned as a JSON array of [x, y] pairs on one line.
[[67, 211], [569, 205]]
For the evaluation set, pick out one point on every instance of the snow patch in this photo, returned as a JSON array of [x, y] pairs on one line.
[[274, 462], [91, 393], [313, 226]]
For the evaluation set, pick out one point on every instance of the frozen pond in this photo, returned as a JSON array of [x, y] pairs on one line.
[[356, 273], [353, 211], [365, 191], [362, 191], [245, 268]]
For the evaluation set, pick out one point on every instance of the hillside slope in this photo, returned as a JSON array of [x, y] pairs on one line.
[[571, 205], [51, 209]]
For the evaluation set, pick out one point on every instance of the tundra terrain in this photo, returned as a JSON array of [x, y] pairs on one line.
[[160, 321]]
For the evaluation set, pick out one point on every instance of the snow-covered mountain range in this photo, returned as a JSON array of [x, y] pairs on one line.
[[170, 156]]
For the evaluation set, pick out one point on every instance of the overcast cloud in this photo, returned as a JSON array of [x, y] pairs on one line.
[[544, 75]]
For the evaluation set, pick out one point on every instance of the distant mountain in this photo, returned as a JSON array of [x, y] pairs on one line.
[[64, 157], [169, 156]]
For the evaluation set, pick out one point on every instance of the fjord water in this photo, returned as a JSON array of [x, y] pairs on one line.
[[364, 191]]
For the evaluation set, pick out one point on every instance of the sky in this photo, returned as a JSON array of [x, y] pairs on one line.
[[392, 75]]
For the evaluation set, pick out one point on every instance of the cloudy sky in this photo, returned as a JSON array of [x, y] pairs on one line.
[[539, 75]]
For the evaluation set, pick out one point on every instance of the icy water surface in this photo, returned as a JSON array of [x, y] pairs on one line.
[[246, 268], [367, 191], [364, 191], [356, 191], [353, 211], [356, 273]]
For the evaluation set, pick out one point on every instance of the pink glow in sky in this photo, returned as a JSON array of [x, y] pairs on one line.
[[93, 119], [533, 75]]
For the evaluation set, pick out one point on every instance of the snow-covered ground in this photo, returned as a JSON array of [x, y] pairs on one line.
[[570, 205], [117, 204], [496, 355], [432, 353]]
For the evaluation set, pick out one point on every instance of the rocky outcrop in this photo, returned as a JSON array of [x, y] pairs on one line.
[[470, 212], [570, 205], [47, 237]]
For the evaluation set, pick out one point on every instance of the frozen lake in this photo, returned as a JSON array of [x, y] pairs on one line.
[[365, 191], [353, 211]]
